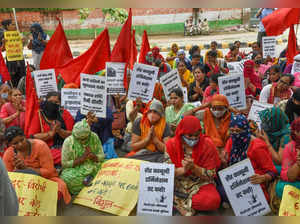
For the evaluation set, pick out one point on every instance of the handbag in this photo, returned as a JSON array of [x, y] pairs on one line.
[[119, 120]]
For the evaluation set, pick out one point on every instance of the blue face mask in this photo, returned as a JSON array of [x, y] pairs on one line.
[[4, 96], [190, 142]]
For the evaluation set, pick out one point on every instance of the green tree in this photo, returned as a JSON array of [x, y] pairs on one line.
[[110, 14]]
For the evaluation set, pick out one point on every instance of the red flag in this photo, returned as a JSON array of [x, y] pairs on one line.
[[57, 51], [32, 104], [3, 69], [145, 48], [281, 19], [92, 61], [122, 48], [133, 51], [292, 46]]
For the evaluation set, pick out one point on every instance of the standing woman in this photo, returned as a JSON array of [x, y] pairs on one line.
[[197, 88]]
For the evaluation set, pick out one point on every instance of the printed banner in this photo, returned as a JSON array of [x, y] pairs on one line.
[[235, 68], [13, 46], [156, 189], [115, 78], [70, 100], [170, 81], [142, 82], [93, 95], [45, 82], [37, 195], [290, 203], [269, 46], [233, 87], [245, 198], [114, 189], [255, 109]]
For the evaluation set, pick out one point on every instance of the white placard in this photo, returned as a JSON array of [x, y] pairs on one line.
[[185, 95], [233, 87], [235, 67], [156, 189], [115, 78], [170, 81], [255, 109], [269, 46], [296, 67], [70, 100], [142, 82], [246, 199], [45, 82], [93, 95]]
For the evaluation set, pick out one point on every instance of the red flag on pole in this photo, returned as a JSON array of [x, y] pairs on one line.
[[133, 51], [145, 48], [292, 46], [92, 61], [122, 49], [57, 51], [3, 69]]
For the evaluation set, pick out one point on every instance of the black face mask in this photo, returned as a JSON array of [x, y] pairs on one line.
[[50, 110]]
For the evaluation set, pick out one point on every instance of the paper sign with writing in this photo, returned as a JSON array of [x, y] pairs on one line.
[[13, 46], [233, 87], [37, 195], [170, 81], [255, 109], [114, 189], [245, 198], [185, 95], [290, 203], [235, 67], [45, 82], [93, 95], [156, 189], [142, 82], [70, 100], [269, 46], [296, 67], [115, 78]]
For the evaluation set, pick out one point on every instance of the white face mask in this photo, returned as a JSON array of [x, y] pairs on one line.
[[218, 113]]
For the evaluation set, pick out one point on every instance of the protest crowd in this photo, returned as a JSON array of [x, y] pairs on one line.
[[63, 118]]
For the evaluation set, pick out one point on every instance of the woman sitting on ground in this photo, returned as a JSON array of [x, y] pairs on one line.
[[31, 156], [197, 88], [4, 94], [185, 75], [212, 89], [82, 156], [196, 161]]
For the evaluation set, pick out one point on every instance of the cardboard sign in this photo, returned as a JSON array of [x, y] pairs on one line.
[[296, 67], [142, 82], [115, 78], [13, 46], [45, 82], [37, 195], [70, 100], [114, 189], [233, 87], [156, 189], [269, 46], [245, 198], [255, 109], [93, 95], [290, 203], [235, 68], [170, 81]]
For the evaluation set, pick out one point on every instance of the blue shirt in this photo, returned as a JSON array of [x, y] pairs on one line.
[[264, 13]]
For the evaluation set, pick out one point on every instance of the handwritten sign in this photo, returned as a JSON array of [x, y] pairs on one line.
[[255, 109], [13, 46], [233, 87], [170, 81], [45, 81], [70, 100], [156, 189], [37, 195], [235, 68], [93, 95], [115, 78], [290, 203], [245, 198], [296, 67], [142, 82], [269, 47], [114, 189]]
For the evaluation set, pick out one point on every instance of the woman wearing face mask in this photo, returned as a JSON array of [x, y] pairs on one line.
[[212, 89], [149, 134], [82, 155], [291, 107], [197, 88], [196, 161], [13, 112], [4, 93]]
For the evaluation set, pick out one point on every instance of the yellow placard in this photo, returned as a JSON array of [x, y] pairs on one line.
[[13, 46], [115, 188], [290, 203], [37, 195]]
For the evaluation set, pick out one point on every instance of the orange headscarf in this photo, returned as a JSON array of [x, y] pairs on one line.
[[218, 135]]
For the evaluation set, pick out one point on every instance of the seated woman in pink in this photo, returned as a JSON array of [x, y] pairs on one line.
[[13, 112], [212, 89]]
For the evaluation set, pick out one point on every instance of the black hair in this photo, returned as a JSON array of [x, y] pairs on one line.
[[53, 93], [32, 66], [237, 41], [257, 43], [178, 92], [12, 132], [214, 78], [212, 53], [233, 47], [193, 49], [214, 42], [292, 78], [276, 68], [6, 23], [199, 67], [296, 95], [178, 62], [196, 55], [254, 54]]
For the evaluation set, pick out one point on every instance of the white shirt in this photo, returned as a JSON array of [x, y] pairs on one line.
[[265, 94]]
